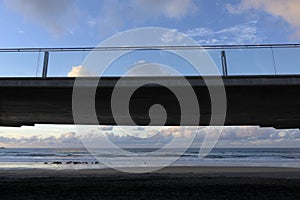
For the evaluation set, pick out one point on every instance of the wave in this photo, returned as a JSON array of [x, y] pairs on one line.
[[192, 154]]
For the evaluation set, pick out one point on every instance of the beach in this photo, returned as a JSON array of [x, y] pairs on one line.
[[168, 183]]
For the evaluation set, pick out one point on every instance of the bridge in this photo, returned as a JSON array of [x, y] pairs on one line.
[[269, 100]]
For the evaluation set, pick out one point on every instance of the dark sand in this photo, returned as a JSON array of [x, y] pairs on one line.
[[170, 183]]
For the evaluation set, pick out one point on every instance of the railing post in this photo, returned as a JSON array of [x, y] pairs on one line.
[[45, 65], [224, 63]]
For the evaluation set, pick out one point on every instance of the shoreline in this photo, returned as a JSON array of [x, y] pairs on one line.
[[168, 183], [202, 171]]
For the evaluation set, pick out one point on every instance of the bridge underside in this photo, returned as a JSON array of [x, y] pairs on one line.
[[266, 101]]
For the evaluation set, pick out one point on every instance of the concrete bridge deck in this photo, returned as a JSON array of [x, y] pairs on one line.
[[267, 101]]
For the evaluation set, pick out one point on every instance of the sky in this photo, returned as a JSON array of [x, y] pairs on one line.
[[65, 23], [81, 23]]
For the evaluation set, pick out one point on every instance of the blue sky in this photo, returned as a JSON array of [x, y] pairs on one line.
[[81, 23], [76, 23], [65, 23]]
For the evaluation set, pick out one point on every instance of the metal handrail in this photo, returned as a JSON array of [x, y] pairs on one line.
[[115, 48], [46, 51]]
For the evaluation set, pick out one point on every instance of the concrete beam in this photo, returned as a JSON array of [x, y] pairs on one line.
[[267, 101]]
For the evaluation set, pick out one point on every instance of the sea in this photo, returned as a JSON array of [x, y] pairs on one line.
[[70, 158]]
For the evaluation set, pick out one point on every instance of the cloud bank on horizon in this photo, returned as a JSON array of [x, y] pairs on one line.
[[231, 137]]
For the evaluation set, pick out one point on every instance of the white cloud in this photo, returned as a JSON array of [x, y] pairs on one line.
[[288, 10], [239, 34], [172, 37], [79, 71], [150, 69], [57, 16], [92, 23]]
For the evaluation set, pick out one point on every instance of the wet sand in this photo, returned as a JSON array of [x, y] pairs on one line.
[[169, 183]]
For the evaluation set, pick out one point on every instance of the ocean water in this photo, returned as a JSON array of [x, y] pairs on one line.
[[12, 159]]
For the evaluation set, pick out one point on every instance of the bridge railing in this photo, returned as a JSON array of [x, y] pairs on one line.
[[267, 59]]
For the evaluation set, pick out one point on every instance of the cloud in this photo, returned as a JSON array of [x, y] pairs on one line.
[[69, 139], [106, 128], [138, 137], [157, 141], [62, 16], [142, 137], [230, 137], [57, 16], [150, 69], [245, 33], [79, 71], [175, 9], [288, 10], [172, 37], [256, 136], [116, 13]]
